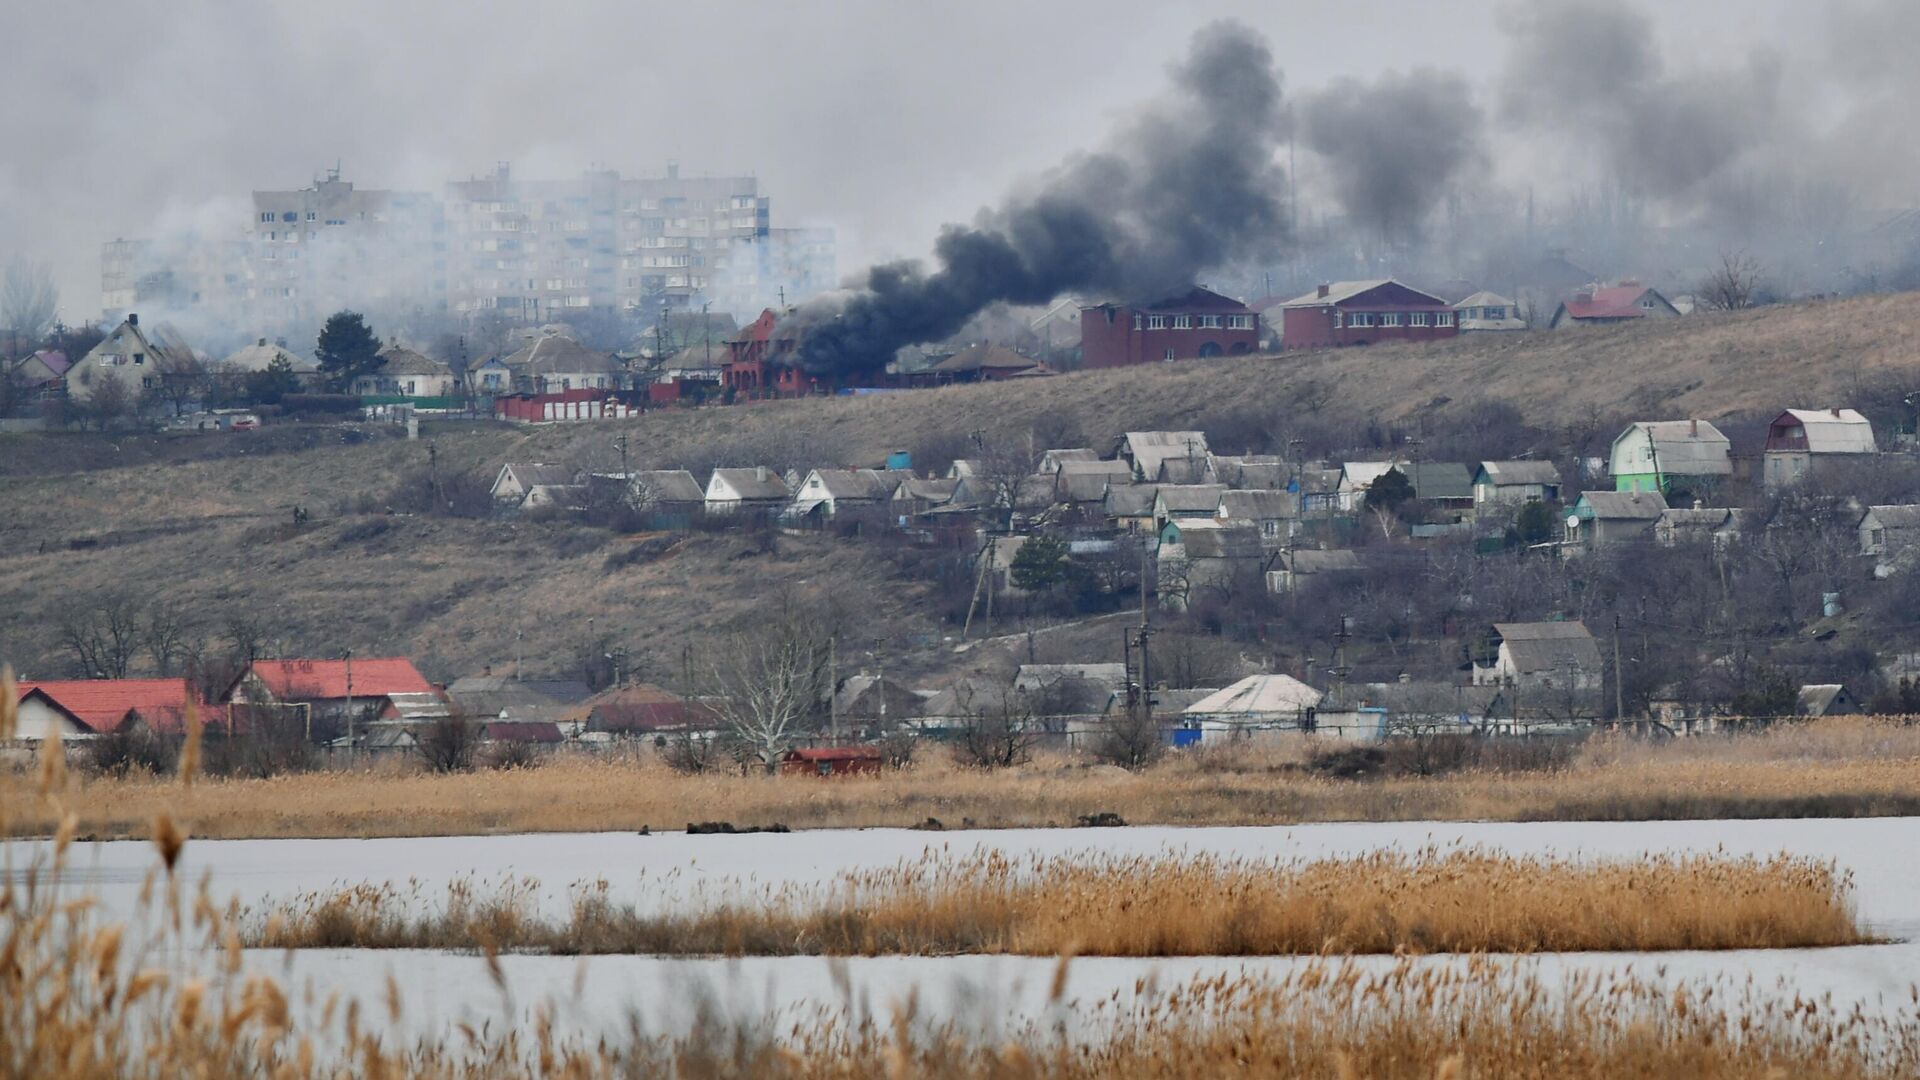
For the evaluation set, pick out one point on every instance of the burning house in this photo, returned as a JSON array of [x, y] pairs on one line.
[[1197, 325]]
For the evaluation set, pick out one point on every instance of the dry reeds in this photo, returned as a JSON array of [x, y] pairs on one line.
[[1388, 902]]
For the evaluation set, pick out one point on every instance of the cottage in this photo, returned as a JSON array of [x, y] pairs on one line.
[[44, 370], [1256, 703], [326, 691], [1202, 556], [1185, 500], [556, 363], [1651, 455], [983, 363], [1541, 656], [1197, 325], [1608, 517], [874, 703], [1297, 567], [491, 695], [137, 360], [1147, 451], [913, 496], [1250, 472], [1890, 535], [1798, 438], [637, 709], [490, 377], [1051, 461], [758, 490], [1356, 479], [1714, 525], [1826, 699], [515, 480], [406, 373], [827, 492], [1488, 312], [1610, 305], [1084, 491], [1275, 513], [263, 356], [1515, 482], [1363, 312], [85, 708], [666, 490], [1445, 485], [1426, 708], [1131, 508]]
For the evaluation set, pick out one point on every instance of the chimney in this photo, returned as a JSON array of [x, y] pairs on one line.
[[673, 170], [1584, 296], [760, 472], [1693, 429], [133, 318], [1324, 290], [1405, 678], [1836, 414], [263, 342]]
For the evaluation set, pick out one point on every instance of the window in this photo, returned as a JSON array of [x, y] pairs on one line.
[[1495, 313], [1239, 322], [1443, 318], [1418, 318], [1210, 322], [1136, 322], [1390, 318], [1359, 318], [1169, 354], [310, 215], [1646, 303], [266, 217], [139, 358], [1156, 322], [289, 216], [1183, 322]]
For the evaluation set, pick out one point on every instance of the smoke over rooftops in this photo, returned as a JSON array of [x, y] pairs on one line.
[[1191, 183]]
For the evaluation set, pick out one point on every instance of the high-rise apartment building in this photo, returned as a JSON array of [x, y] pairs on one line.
[[331, 245]]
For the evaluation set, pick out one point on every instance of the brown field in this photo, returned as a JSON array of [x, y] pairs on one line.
[[943, 904], [1833, 768]]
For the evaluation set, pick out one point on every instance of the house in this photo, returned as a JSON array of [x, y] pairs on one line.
[[913, 496], [1131, 508], [637, 709], [262, 355], [1085, 491], [1356, 479], [1302, 566], [1185, 500], [1363, 312], [1256, 703], [827, 492], [1798, 438], [323, 689], [1202, 556], [965, 700], [543, 734], [1541, 656], [1716, 525], [1319, 489], [1418, 707], [1515, 482], [406, 373], [1119, 472], [44, 370], [1485, 312], [759, 489], [1609, 517], [515, 480], [490, 377], [139, 361], [672, 491], [1147, 451], [1445, 485], [557, 497], [84, 708], [982, 363], [1061, 697], [874, 703], [1889, 530], [1649, 455], [1613, 304], [1826, 699], [555, 363], [1197, 325], [1275, 513], [760, 362], [831, 761], [490, 695], [1250, 472], [1051, 461]]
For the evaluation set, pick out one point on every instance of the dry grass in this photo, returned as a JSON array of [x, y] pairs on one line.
[[1834, 768], [942, 904]]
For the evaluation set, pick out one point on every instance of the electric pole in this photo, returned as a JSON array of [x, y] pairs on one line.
[[349, 659], [1619, 697]]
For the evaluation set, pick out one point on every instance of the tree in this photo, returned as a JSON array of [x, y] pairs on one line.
[[184, 382], [1734, 285], [103, 637], [275, 381], [1389, 491], [1534, 523], [997, 728], [769, 686], [448, 744], [1041, 564], [347, 350], [29, 301], [110, 400]]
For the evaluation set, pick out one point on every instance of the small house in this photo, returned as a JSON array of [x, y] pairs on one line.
[[983, 363], [1203, 555], [1147, 451], [1185, 500], [1488, 312], [1888, 534], [264, 355], [1363, 312], [1275, 513], [827, 492], [516, 479], [1541, 656], [1515, 482], [1256, 703], [1051, 461], [1610, 305], [555, 363], [322, 690], [637, 709], [1651, 455], [1302, 566], [1714, 525], [1798, 438], [666, 490], [1608, 517], [1131, 508], [733, 491], [85, 708], [1826, 699], [133, 357], [406, 373]]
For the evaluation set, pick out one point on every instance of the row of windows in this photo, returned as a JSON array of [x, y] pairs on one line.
[[1188, 322], [1358, 319]]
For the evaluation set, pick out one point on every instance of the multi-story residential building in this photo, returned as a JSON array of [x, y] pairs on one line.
[[545, 249], [175, 278], [330, 245], [784, 267], [1200, 324]]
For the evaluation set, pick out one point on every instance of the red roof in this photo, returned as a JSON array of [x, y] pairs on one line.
[[1613, 302], [318, 680], [524, 731], [104, 704], [834, 753]]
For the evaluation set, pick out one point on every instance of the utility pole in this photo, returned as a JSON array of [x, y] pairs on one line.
[[706, 332], [626, 477], [1146, 633], [349, 708], [833, 688], [1619, 698]]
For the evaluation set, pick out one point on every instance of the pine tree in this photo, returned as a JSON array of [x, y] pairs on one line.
[[347, 350]]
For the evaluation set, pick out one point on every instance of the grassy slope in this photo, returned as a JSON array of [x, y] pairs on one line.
[[198, 523]]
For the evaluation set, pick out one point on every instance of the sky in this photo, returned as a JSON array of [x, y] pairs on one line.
[[884, 120]]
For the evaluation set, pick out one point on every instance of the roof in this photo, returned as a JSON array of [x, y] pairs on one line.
[[1519, 473], [863, 696], [1186, 470], [1194, 299], [967, 697], [1896, 516], [1549, 646], [981, 357], [104, 704], [1484, 298], [130, 337], [1439, 480], [1624, 505], [1683, 447], [1698, 518], [535, 475], [261, 354], [541, 732], [1084, 487], [1130, 500], [1611, 302], [668, 486], [1258, 697], [53, 360], [418, 707], [1228, 540], [401, 360], [557, 354], [1190, 498], [1431, 698], [1817, 699], [849, 484], [301, 680], [1056, 457], [1062, 689], [1360, 475], [489, 695], [1259, 505], [1252, 475], [758, 483], [1832, 431], [1339, 292], [934, 491], [1148, 449], [1312, 561], [1094, 467], [641, 707]]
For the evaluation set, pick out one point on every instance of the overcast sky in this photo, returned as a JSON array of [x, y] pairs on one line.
[[882, 119]]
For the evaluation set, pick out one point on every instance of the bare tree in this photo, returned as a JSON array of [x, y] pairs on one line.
[[110, 400], [103, 637], [448, 744], [165, 638], [29, 301], [1734, 285], [768, 687], [997, 728], [183, 383]]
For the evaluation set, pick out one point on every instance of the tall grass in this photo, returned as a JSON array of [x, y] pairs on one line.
[[1138, 906], [1839, 768]]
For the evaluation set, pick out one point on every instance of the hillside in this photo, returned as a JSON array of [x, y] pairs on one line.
[[204, 527]]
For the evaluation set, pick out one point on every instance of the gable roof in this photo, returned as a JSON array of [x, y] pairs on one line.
[[401, 360], [1439, 480], [1084, 487], [1820, 699], [984, 357], [1899, 516], [1831, 431], [1484, 298], [1610, 302], [1549, 646], [301, 680], [1519, 473], [1259, 505], [1189, 498], [1342, 292], [104, 704], [533, 474], [1223, 540], [641, 707], [557, 354], [668, 485], [759, 483], [849, 484], [129, 338], [1130, 500], [260, 355], [1258, 697], [1623, 505], [1194, 299], [1148, 449], [489, 695], [1683, 447]]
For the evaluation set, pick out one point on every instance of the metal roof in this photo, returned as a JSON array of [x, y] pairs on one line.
[[1516, 473], [1183, 498], [749, 484], [1896, 516], [1256, 698], [1549, 646], [1682, 447], [1341, 291], [1833, 431], [1623, 505]]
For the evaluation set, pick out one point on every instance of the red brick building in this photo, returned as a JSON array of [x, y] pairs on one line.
[[1363, 312], [759, 362], [1198, 325]]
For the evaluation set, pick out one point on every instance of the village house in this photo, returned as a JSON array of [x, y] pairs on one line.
[[1250, 472], [43, 371], [406, 373], [1203, 556], [1185, 500], [1051, 461], [828, 492], [1488, 312], [1275, 513], [490, 377], [1363, 312], [516, 479], [86, 708], [1798, 438], [138, 360], [1131, 508], [1890, 535], [672, 491], [1254, 704], [1604, 306], [1541, 656], [1444, 485], [983, 363], [760, 362], [1826, 699], [1297, 567], [1356, 479], [636, 710], [1147, 451], [1515, 482], [1650, 455], [325, 692], [759, 489], [1611, 517], [1198, 325], [488, 695], [873, 705], [1715, 525], [1429, 708], [556, 363], [262, 355], [914, 496]]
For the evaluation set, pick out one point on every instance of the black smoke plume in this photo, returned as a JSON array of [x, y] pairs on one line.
[[1393, 145], [1190, 184]]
